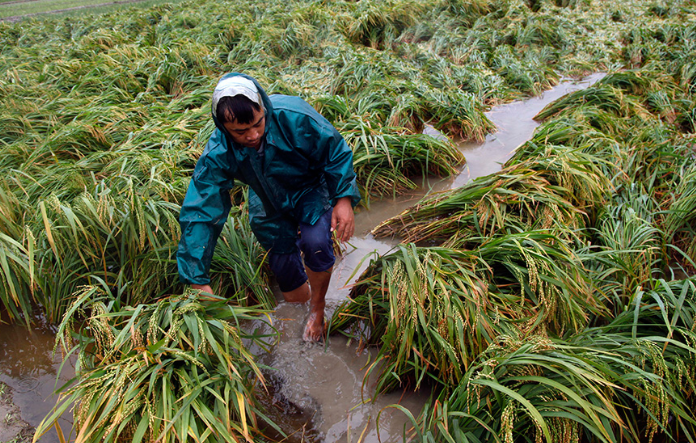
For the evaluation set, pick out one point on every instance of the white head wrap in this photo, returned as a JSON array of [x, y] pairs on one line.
[[234, 86]]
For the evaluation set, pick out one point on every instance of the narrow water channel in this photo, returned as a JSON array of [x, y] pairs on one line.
[[318, 391]]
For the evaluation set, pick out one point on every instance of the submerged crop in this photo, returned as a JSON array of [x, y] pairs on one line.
[[541, 302]]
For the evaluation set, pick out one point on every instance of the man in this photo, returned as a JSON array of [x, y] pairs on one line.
[[301, 191]]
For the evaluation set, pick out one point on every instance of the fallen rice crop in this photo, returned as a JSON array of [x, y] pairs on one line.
[[543, 303]]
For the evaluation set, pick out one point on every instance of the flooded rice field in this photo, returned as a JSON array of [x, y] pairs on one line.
[[316, 391]]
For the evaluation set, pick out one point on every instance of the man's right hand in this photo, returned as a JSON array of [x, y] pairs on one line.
[[203, 288]]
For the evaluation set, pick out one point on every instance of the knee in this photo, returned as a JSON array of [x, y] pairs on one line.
[[315, 241], [318, 252], [288, 270]]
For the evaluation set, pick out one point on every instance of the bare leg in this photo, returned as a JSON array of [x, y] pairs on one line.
[[299, 295], [319, 283]]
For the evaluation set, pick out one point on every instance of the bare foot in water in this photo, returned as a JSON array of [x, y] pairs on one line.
[[315, 329]]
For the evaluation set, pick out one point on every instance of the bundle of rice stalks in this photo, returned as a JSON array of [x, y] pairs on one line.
[[433, 310], [680, 219], [454, 111], [654, 157], [428, 308], [652, 342], [526, 77], [627, 249], [529, 389], [577, 134], [542, 281], [579, 174], [629, 380], [470, 9], [636, 82], [177, 370], [377, 25], [598, 386], [603, 97], [385, 159], [665, 308], [116, 235], [522, 197]]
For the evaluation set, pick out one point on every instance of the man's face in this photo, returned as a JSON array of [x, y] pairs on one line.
[[249, 134]]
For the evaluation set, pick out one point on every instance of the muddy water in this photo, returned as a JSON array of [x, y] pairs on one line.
[[317, 392], [28, 366], [515, 126]]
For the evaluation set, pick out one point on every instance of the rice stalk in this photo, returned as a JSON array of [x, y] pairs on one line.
[[525, 196], [175, 370], [679, 219], [386, 159]]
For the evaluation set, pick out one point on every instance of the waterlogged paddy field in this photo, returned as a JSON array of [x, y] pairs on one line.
[[314, 389], [546, 301]]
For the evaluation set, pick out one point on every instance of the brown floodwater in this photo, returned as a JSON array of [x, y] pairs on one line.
[[29, 367], [316, 392]]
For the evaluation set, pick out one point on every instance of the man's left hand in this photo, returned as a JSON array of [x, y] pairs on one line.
[[342, 219]]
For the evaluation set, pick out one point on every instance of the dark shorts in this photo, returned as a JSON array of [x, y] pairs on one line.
[[315, 244]]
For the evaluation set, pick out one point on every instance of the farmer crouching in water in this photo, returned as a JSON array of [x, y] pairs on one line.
[[301, 189]]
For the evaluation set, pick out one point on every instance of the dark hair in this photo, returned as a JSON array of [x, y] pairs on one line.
[[238, 108]]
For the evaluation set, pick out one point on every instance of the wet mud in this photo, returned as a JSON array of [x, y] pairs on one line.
[[12, 427], [315, 392]]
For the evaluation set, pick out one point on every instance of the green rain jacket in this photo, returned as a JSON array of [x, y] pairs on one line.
[[306, 166]]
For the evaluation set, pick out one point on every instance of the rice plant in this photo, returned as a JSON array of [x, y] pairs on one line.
[[386, 159], [517, 199], [433, 310], [376, 25], [115, 235], [175, 370], [542, 280], [604, 97], [423, 306], [596, 387], [628, 249], [628, 380], [679, 221], [18, 276], [526, 389]]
